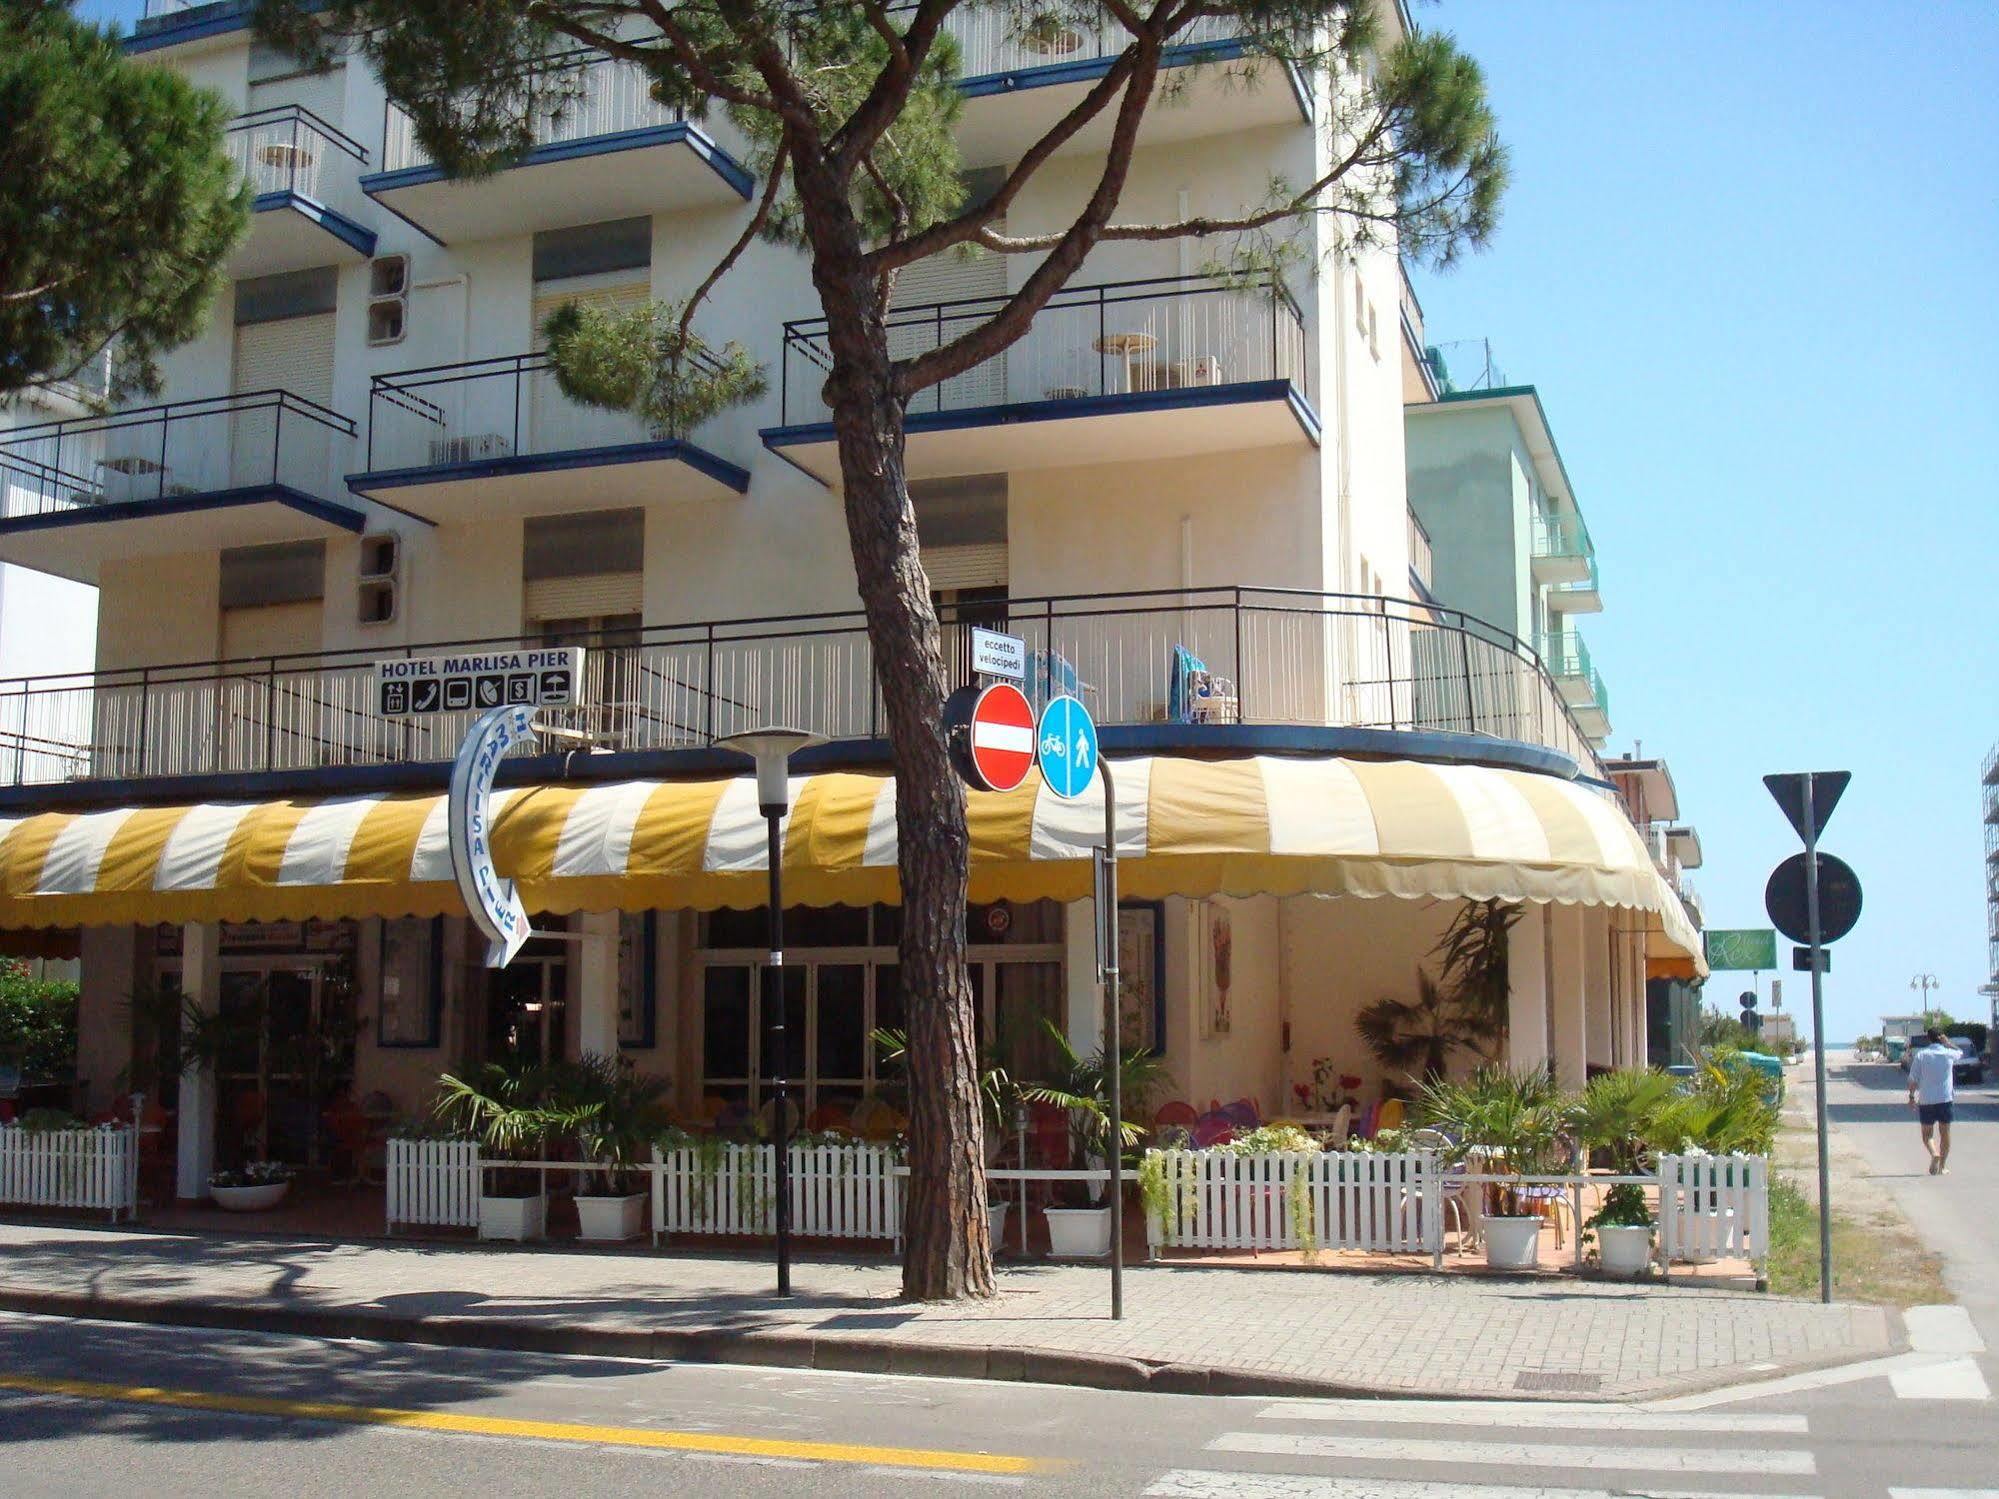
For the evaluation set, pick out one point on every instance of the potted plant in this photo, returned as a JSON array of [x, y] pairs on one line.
[[613, 1113], [501, 1105], [1725, 1108], [1082, 1228], [1509, 1123], [251, 1188], [1614, 1117]]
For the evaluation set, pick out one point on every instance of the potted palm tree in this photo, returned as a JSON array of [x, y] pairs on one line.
[[502, 1104], [612, 1112], [1508, 1123], [1616, 1114], [1082, 1229]]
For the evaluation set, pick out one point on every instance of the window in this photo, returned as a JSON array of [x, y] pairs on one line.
[[411, 1009], [570, 546], [638, 970], [289, 572], [593, 249], [270, 299]]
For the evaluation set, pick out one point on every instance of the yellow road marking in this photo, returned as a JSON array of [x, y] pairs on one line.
[[547, 1431]]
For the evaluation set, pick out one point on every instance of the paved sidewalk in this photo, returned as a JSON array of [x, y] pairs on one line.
[[1186, 1329]]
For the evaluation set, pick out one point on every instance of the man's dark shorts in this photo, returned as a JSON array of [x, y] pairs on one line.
[[1933, 1113]]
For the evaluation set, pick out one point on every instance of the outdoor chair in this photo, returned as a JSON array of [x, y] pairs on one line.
[[1243, 1114], [1551, 1199], [1457, 1190], [1212, 1129], [1390, 1115], [1175, 1112]]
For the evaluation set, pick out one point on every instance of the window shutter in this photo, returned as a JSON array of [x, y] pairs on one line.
[[952, 277], [979, 566], [622, 296], [294, 354], [588, 597]]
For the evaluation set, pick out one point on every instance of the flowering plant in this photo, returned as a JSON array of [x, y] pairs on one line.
[[252, 1174]]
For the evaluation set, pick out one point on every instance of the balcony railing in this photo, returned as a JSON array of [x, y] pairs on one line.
[[587, 94], [1561, 536], [1422, 560], [288, 148], [486, 409], [1118, 338], [186, 448], [1568, 659], [996, 39], [1223, 655]]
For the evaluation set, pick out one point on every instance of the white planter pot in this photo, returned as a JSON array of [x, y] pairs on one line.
[[611, 1219], [1079, 1233], [516, 1218], [1512, 1243], [1624, 1249], [250, 1199], [996, 1221]]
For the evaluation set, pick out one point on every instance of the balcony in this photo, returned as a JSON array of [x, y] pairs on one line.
[[1156, 668], [498, 436], [1422, 559], [306, 177], [1564, 556], [1582, 688], [611, 152], [1019, 79], [1124, 372], [185, 477]]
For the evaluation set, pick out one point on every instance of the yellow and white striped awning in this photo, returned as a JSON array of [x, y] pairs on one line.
[[1261, 825]]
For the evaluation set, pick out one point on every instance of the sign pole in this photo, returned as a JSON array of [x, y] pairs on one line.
[[1818, 1040], [1113, 1038]]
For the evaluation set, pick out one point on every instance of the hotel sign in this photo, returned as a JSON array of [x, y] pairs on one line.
[[476, 681], [492, 902]]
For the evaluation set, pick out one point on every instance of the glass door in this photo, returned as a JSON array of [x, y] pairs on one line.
[[526, 1011]]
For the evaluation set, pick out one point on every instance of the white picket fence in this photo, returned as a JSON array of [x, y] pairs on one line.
[[1714, 1207], [433, 1183], [1384, 1203], [837, 1191], [71, 1168]]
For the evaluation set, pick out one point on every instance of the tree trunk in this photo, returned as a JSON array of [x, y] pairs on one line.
[[948, 1252]]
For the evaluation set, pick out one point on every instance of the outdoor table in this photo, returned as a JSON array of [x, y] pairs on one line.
[[1130, 347]]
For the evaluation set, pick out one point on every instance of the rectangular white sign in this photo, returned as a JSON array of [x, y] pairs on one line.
[[545, 676], [997, 655]]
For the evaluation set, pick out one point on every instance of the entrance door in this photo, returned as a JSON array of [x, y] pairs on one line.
[[526, 1010], [273, 1064]]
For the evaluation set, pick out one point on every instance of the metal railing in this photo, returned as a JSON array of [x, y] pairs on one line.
[[1217, 655], [998, 39], [1422, 560], [181, 449], [1568, 660], [578, 96], [483, 409], [1116, 338], [1561, 536], [288, 148]]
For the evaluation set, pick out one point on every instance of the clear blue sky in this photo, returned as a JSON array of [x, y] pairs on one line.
[[1747, 258]]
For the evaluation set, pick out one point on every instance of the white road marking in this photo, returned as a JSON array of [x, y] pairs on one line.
[[1792, 1384], [1204, 1483], [1943, 1494], [1518, 1454], [931, 1475], [1942, 1329], [1524, 1415], [1954, 1379]]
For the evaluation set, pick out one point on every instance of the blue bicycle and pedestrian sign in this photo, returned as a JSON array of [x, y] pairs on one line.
[[1066, 747]]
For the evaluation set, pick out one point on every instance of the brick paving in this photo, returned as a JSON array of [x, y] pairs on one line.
[[1398, 1333]]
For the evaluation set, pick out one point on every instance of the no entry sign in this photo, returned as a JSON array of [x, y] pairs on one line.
[[999, 739]]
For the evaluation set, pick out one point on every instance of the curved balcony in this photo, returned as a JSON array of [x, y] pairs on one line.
[[612, 151], [187, 476], [306, 176], [494, 436], [1125, 371], [1241, 669]]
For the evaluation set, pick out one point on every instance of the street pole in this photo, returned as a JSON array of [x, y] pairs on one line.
[[1113, 1038], [1818, 1038], [774, 1024]]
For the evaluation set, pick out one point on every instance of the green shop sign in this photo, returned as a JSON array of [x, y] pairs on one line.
[[1750, 948]]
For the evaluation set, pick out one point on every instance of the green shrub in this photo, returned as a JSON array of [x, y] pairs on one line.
[[37, 1022]]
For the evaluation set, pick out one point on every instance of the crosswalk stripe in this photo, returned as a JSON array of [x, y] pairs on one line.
[[1943, 1494], [1526, 1415], [1942, 1329], [1204, 1483], [1519, 1454], [1953, 1379]]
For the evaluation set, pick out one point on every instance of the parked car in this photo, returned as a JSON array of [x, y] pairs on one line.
[[1970, 1066]]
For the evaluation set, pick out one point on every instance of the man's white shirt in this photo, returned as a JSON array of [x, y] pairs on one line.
[[1932, 1073]]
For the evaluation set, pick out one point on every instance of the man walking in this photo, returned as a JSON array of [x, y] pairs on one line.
[[1932, 1086]]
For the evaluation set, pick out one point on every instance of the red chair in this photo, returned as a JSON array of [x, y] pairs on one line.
[[1212, 1129]]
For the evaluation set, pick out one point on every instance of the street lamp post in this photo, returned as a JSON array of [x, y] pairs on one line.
[[772, 749], [1922, 984]]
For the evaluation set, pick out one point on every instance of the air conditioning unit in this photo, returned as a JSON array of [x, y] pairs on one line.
[[487, 445], [388, 299]]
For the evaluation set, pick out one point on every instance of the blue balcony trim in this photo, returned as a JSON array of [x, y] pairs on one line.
[[699, 459], [205, 22], [1090, 69], [680, 133], [1192, 398], [336, 224], [845, 754], [330, 511]]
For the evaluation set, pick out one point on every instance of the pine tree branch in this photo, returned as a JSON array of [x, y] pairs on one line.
[[772, 184], [884, 104]]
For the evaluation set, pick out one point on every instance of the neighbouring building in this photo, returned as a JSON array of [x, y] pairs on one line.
[[1188, 498]]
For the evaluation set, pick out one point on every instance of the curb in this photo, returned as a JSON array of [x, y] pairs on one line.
[[850, 1355]]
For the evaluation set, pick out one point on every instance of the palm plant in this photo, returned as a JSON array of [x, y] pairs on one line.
[[612, 1112], [1725, 1109], [1516, 1122], [1618, 1113], [996, 1088], [1416, 1037], [1082, 1086]]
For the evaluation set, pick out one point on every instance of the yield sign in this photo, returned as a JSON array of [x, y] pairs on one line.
[[1827, 788], [1002, 737]]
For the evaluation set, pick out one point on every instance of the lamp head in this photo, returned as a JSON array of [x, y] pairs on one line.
[[772, 749]]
